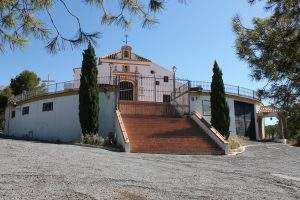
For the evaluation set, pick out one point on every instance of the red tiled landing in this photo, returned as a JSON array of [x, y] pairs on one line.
[[170, 135]]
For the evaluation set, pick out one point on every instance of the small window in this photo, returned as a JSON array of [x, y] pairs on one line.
[[206, 107], [166, 98], [126, 54], [152, 72], [47, 106], [25, 110], [166, 79], [156, 82], [13, 114], [125, 68]]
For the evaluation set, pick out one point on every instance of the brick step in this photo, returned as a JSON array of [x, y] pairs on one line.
[[173, 135], [178, 148], [181, 152], [146, 108]]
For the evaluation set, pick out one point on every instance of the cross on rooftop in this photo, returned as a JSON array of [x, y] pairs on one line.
[[126, 39]]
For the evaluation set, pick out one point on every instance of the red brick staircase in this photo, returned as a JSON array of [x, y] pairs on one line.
[[150, 132]]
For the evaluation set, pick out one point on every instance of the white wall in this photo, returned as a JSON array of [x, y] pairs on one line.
[[146, 87], [196, 105], [107, 112], [61, 124]]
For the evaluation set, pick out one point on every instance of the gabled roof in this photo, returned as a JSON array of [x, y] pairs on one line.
[[140, 58], [111, 56], [115, 56], [269, 109]]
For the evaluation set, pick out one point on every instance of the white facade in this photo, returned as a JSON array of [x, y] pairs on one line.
[[60, 124], [201, 104], [198, 103], [114, 64], [150, 81]]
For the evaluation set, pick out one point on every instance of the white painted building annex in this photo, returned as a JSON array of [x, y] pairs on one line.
[[124, 76]]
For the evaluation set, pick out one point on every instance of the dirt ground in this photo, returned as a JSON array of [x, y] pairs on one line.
[[31, 170]]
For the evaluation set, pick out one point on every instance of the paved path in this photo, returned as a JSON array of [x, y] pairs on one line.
[[30, 170]]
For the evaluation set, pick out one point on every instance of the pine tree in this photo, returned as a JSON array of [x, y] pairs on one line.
[[219, 109], [271, 48], [25, 20], [88, 93]]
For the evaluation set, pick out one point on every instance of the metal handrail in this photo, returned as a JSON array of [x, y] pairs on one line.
[[229, 89], [114, 80]]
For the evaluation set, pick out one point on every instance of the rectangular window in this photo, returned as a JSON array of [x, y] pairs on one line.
[[156, 82], [166, 79], [166, 98], [13, 114], [47, 106], [25, 110], [206, 107]]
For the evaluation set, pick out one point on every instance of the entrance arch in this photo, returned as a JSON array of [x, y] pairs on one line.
[[126, 91]]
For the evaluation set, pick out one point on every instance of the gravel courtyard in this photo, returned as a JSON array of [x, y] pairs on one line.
[[30, 170]]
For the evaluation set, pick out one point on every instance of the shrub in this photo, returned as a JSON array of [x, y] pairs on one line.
[[236, 141], [110, 140], [92, 139]]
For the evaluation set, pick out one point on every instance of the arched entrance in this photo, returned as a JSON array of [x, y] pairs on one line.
[[271, 111], [126, 91]]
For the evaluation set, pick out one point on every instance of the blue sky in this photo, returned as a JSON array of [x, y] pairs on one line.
[[188, 36]]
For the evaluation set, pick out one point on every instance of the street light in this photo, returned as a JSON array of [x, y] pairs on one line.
[[110, 72], [174, 81], [174, 69]]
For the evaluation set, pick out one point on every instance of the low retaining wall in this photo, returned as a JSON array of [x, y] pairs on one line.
[[121, 135], [211, 131], [146, 108]]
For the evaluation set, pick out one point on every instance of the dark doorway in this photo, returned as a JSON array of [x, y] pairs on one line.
[[166, 98], [126, 91], [244, 119]]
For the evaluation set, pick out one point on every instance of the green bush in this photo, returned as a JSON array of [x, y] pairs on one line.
[[236, 141], [92, 139], [110, 140]]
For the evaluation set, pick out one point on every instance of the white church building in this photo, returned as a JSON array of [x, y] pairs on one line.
[[140, 102]]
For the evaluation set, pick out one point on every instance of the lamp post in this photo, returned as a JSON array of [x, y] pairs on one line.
[[110, 69], [174, 80], [154, 77]]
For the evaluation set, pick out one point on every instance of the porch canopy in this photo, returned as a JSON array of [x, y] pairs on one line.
[[272, 111]]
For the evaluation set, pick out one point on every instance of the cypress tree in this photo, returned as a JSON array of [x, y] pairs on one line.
[[88, 93], [219, 109]]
